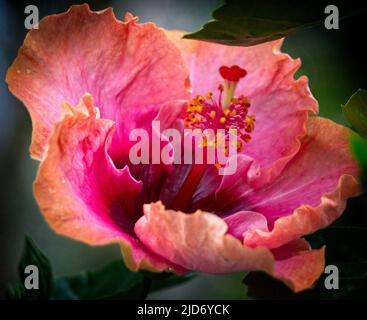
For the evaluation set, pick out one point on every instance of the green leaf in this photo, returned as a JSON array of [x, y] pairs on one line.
[[359, 148], [113, 281], [247, 23], [15, 292], [32, 255], [355, 110]]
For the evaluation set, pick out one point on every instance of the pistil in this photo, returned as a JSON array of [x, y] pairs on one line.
[[228, 112]]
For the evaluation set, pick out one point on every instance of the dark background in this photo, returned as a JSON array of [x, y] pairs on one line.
[[335, 62]]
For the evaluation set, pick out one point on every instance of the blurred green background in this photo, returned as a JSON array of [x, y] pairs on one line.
[[333, 60]]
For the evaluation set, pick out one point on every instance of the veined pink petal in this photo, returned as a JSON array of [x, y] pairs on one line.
[[190, 187], [80, 192], [280, 103], [130, 71], [242, 222], [291, 249], [199, 241], [301, 267], [313, 189]]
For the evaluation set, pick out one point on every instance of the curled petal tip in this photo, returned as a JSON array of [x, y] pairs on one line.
[[129, 17]]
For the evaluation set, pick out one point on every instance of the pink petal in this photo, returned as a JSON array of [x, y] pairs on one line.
[[280, 103], [313, 189], [200, 242], [80, 192], [302, 267], [124, 65], [242, 222], [291, 249]]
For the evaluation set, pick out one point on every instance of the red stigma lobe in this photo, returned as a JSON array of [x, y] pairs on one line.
[[234, 73]]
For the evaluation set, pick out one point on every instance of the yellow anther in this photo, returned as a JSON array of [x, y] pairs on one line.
[[222, 120], [246, 138], [218, 165], [209, 95], [200, 99], [212, 114], [250, 128], [246, 101], [250, 120], [226, 112]]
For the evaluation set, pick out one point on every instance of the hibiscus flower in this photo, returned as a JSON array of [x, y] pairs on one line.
[[88, 79]]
